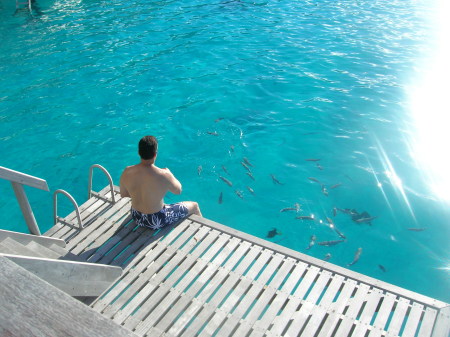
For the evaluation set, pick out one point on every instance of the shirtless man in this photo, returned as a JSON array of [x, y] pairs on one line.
[[146, 185]]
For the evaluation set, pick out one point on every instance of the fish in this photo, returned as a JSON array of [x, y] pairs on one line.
[[232, 148], [275, 180], [247, 161], [245, 166], [382, 268], [220, 197], [338, 232], [305, 217], [357, 255], [312, 159], [297, 207], [416, 229], [214, 133], [330, 221], [218, 119], [324, 190], [330, 243], [250, 190], [314, 179], [311, 242], [199, 169], [334, 211], [319, 167], [335, 186], [239, 194], [327, 256], [250, 175], [365, 220], [225, 169], [288, 209], [229, 183], [273, 232]]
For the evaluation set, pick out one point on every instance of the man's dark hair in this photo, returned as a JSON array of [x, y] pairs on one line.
[[148, 146]]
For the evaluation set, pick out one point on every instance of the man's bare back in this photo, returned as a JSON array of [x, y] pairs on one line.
[[147, 185]]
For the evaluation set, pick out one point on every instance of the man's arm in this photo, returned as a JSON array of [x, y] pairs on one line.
[[123, 191], [174, 184]]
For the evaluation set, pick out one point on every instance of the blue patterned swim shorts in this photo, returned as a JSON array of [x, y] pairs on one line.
[[168, 215]]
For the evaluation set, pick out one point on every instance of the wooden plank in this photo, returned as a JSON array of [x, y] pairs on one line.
[[244, 284], [145, 260], [369, 310], [281, 321], [413, 320], [427, 322], [193, 304], [159, 303], [319, 311], [25, 309], [299, 317], [399, 316], [261, 326], [442, 325], [383, 314], [23, 179], [25, 207], [148, 281], [232, 272]]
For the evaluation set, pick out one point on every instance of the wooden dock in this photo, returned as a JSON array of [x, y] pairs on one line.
[[200, 278]]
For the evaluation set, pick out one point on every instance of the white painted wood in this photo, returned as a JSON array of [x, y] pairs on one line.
[[26, 238], [369, 310], [74, 278], [23, 179], [427, 322], [399, 316], [383, 314], [442, 325], [25, 207], [413, 320]]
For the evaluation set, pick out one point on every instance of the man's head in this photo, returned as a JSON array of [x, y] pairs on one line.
[[148, 147]]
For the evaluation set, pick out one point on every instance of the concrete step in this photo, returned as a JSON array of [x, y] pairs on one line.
[[16, 248], [44, 251]]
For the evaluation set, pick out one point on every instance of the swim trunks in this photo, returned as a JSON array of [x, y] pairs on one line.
[[168, 215]]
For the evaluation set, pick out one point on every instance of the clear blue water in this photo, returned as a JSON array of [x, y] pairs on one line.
[[82, 81]]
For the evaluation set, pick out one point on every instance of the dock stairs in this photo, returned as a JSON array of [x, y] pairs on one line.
[[195, 278]]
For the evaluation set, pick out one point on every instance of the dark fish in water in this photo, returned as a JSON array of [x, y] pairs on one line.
[[250, 190], [330, 243], [273, 232], [327, 256], [218, 119], [348, 211], [232, 148], [239, 194], [305, 217], [324, 190], [225, 169], [312, 159], [246, 161], [311, 242], [335, 186], [319, 167], [416, 229], [357, 255], [229, 183], [334, 211], [314, 179], [220, 197], [365, 220], [245, 166], [330, 221], [250, 175], [382, 268], [338, 232], [288, 209], [214, 133], [275, 180], [199, 169]]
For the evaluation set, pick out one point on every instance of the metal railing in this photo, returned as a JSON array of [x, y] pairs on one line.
[[57, 218], [111, 185], [18, 180]]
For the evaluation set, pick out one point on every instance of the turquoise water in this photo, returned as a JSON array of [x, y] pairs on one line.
[[276, 82]]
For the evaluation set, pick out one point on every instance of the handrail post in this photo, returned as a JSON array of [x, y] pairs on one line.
[[111, 184], [25, 208], [56, 218]]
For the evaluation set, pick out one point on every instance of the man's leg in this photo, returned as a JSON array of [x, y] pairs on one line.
[[192, 207]]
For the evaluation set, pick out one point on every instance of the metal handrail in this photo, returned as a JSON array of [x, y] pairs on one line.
[[56, 218], [111, 185]]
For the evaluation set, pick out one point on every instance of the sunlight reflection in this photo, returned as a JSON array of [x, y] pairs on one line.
[[430, 107]]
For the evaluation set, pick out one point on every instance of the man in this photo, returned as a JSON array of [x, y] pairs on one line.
[[146, 185]]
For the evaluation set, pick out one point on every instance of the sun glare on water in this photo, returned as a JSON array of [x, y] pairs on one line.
[[430, 107]]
